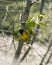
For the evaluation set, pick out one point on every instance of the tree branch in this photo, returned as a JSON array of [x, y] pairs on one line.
[[34, 37], [50, 41], [49, 58]]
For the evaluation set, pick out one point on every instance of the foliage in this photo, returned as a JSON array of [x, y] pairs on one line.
[[32, 21], [31, 25]]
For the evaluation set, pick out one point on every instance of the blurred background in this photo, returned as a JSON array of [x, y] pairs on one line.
[[10, 17]]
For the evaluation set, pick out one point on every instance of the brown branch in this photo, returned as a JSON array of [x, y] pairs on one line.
[[42, 4], [25, 14], [18, 51], [49, 58], [24, 17], [34, 37]]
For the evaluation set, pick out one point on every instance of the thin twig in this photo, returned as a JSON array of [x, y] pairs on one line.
[[49, 58]]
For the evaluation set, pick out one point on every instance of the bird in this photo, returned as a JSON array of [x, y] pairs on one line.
[[23, 34]]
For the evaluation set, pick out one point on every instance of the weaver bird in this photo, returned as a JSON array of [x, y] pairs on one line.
[[23, 34]]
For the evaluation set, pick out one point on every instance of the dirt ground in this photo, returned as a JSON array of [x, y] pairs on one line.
[[34, 57]]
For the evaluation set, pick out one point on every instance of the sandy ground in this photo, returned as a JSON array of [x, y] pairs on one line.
[[34, 57]]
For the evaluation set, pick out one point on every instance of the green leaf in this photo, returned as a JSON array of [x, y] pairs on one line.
[[29, 19], [40, 16], [30, 25]]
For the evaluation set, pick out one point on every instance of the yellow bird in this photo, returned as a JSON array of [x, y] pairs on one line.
[[23, 34]]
